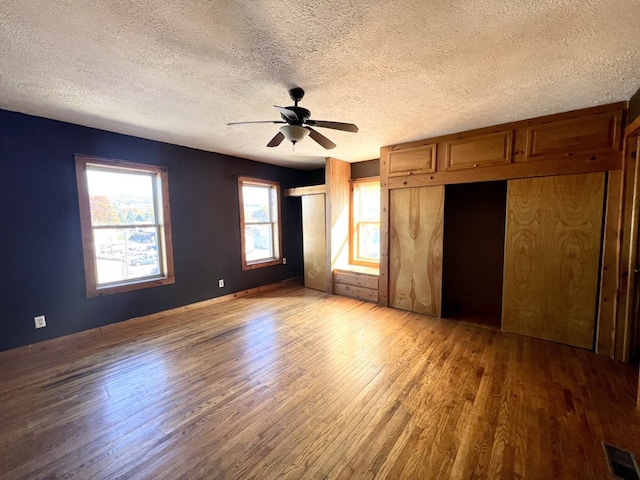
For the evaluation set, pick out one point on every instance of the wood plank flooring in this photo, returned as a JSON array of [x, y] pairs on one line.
[[296, 384]]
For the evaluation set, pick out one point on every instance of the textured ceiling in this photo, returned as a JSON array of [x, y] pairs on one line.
[[401, 70]]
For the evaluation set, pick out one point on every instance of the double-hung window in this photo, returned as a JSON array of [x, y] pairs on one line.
[[125, 222], [260, 226], [365, 222]]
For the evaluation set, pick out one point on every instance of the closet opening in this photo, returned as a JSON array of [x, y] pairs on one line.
[[473, 252]]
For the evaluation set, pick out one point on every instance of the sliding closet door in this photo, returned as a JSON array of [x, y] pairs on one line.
[[415, 249], [552, 255], [313, 242]]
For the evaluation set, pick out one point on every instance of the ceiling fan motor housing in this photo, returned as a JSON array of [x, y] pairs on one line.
[[302, 113]]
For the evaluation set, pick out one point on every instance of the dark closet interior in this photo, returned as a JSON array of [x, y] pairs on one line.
[[473, 251]]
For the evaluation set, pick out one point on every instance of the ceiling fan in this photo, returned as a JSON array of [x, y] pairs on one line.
[[297, 124]]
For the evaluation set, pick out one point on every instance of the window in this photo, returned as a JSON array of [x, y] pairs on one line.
[[126, 229], [259, 222], [365, 222]]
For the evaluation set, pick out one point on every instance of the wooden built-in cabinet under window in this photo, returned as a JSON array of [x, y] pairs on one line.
[[360, 283]]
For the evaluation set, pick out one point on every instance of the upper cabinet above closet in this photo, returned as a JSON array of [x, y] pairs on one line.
[[588, 134], [581, 141], [412, 159], [476, 151]]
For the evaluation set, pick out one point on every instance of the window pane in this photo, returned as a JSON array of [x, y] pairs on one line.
[[126, 237], [369, 202], [256, 203], [259, 222], [365, 234], [369, 241], [120, 197], [125, 254], [258, 242]]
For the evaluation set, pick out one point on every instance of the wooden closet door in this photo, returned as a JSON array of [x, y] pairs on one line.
[[314, 242], [415, 249], [552, 256]]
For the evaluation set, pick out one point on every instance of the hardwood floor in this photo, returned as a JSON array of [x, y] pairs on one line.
[[297, 384]]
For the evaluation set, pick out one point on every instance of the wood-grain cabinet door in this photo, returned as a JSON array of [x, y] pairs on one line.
[[415, 249], [313, 242], [552, 254], [477, 151], [412, 161], [586, 135]]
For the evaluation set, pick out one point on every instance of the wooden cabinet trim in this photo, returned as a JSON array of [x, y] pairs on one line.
[[308, 190], [565, 166], [610, 268], [383, 278]]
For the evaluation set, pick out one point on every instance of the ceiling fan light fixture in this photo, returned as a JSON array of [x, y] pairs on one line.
[[294, 133]]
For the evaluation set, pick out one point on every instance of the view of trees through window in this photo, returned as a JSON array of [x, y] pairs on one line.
[[123, 220]]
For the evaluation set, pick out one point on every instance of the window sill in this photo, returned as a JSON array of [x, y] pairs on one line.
[[359, 269], [265, 263], [129, 287]]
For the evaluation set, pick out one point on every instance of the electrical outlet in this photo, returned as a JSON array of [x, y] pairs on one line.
[[221, 283], [40, 321], [284, 260]]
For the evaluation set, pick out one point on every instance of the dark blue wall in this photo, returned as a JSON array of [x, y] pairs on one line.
[[40, 245]]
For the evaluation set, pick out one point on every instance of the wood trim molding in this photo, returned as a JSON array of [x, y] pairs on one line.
[[301, 191], [610, 268], [628, 247], [383, 283], [565, 166], [338, 177], [632, 128]]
